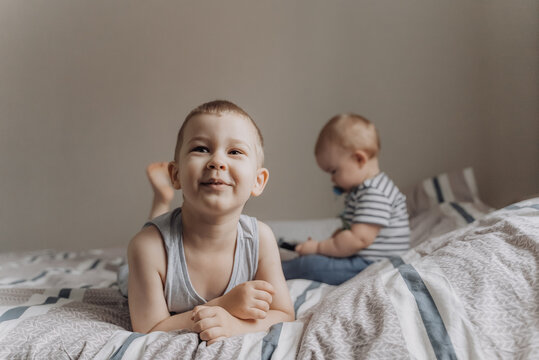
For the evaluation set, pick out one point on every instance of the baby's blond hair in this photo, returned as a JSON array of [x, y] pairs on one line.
[[351, 132], [219, 107]]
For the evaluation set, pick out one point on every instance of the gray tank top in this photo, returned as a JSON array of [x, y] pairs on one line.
[[179, 292]]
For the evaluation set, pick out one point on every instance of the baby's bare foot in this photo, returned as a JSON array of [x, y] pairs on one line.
[[159, 179]]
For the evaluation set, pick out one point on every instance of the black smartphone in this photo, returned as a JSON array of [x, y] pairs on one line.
[[286, 245]]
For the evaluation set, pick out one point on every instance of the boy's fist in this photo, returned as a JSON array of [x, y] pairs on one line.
[[213, 323], [249, 300]]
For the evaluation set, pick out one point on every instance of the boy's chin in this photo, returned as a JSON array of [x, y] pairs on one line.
[[220, 207]]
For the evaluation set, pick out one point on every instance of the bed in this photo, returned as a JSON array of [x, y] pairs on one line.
[[467, 289]]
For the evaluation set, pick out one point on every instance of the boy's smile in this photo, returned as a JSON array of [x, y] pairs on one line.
[[216, 184]]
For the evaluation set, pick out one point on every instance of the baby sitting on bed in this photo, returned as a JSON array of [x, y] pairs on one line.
[[375, 218], [206, 267]]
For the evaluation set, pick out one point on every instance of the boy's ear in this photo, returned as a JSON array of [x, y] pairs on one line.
[[173, 172], [361, 157], [261, 181]]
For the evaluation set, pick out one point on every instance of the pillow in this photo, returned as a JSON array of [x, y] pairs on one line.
[[444, 217], [443, 203], [452, 187]]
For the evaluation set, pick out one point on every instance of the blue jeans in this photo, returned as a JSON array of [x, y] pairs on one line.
[[329, 270]]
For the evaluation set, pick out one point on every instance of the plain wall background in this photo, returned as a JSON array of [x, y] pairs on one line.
[[93, 91]]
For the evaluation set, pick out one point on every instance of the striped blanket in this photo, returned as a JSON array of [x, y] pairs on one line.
[[93, 322], [469, 293]]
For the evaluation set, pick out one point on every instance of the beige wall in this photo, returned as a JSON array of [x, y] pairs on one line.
[[92, 91]]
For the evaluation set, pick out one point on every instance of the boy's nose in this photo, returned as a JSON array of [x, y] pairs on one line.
[[216, 164]]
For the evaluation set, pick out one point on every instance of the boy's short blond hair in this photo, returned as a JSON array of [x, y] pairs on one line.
[[350, 131], [219, 107]]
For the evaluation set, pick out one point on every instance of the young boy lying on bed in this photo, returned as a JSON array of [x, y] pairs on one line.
[[205, 267], [375, 219]]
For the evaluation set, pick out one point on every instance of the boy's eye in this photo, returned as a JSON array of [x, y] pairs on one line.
[[235, 152], [201, 149]]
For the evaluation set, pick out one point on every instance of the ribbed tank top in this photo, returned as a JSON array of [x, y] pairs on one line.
[[180, 294]]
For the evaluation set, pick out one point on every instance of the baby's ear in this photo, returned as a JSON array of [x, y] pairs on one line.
[[262, 176], [174, 173], [361, 157]]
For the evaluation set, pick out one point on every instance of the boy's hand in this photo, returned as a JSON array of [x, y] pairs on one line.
[[308, 247], [248, 300], [213, 323]]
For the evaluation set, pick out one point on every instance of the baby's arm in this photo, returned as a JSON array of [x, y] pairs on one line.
[[147, 270], [343, 243], [215, 323]]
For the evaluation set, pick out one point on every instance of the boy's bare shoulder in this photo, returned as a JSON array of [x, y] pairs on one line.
[[265, 232], [266, 239], [146, 241]]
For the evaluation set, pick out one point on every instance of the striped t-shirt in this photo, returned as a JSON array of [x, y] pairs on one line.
[[378, 201]]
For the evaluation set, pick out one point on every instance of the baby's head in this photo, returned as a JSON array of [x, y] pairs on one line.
[[347, 148], [218, 158]]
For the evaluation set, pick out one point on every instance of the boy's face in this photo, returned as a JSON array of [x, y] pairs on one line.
[[217, 166], [346, 170]]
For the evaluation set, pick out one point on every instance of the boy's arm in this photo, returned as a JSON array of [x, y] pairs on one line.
[[147, 271], [216, 324], [271, 270], [344, 243]]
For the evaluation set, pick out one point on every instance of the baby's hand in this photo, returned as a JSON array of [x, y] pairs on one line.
[[249, 300], [213, 323], [308, 247]]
